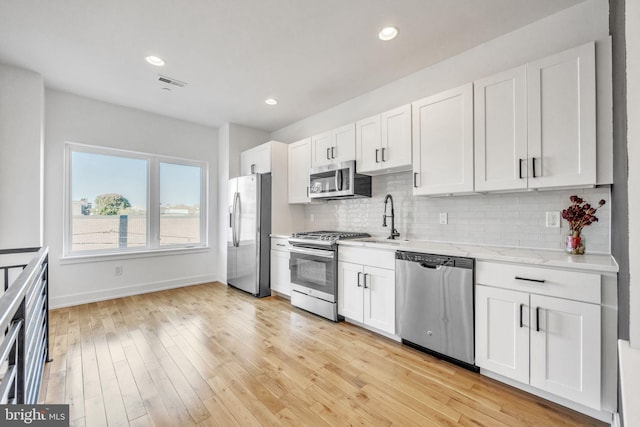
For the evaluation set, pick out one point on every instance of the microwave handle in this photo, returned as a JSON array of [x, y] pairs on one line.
[[339, 180]]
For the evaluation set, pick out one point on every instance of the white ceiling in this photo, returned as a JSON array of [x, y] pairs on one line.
[[309, 54]]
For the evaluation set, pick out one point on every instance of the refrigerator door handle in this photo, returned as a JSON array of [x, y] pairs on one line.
[[234, 230]]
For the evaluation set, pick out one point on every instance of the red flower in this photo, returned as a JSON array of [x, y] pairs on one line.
[[580, 214]]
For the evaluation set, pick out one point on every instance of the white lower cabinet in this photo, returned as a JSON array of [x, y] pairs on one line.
[[367, 294], [547, 342], [280, 275]]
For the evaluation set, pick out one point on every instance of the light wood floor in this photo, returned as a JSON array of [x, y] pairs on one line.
[[209, 355]]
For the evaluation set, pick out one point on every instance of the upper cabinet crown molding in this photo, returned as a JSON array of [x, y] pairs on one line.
[[443, 142], [383, 142]]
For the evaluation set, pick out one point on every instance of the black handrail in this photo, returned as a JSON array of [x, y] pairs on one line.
[[24, 314]]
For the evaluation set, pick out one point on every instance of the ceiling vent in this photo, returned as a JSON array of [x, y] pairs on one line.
[[170, 81]]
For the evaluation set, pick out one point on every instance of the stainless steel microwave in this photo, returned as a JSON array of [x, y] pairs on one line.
[[338, 181]]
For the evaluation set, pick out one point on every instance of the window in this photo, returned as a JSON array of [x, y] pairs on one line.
[[121, 201]]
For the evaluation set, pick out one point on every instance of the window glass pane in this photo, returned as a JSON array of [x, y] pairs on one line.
[[109, 202], [180, 198]]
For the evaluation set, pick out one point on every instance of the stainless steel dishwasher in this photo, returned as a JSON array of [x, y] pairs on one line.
[[434, 305]]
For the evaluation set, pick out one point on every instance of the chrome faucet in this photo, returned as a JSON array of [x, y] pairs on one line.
[[394, 232]]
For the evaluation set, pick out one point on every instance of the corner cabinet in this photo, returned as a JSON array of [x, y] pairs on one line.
[[366, 287], [383, 142], [535, 125], [335, 146], [443, 143], [298, 176], [541, 327]]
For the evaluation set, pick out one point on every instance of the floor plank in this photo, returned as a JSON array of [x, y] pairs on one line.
[[209, 355]]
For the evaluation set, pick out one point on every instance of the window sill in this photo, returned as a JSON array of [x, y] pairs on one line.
[[115, 256]]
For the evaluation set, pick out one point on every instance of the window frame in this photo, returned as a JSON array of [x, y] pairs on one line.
[[153, 200]]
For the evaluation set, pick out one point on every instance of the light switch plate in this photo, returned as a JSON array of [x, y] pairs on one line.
[[553, 219], [444, 218]]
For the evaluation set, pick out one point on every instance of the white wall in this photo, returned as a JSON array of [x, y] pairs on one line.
[[571, 27], [632, 24], [82, 120], [232, 140], [21, 145]]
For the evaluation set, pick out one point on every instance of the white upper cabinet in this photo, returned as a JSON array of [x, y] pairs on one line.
[[383, 142], [443, 142], [335, 146], [535, 125], [256, 160], [299, 165], [561, 94], [500, 109]]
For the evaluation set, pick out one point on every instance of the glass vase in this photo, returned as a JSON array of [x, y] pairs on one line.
[[574, 244]]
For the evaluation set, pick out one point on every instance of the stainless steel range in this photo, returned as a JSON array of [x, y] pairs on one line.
[[314, 270]]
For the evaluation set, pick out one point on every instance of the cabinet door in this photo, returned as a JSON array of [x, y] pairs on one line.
[[502, 332], [561, 93], [280, 276], [344, 143], [262, 158], [443, 142], [368, 139], [246, 160], [395, 151], [350, 291], [565, 349], [321, 149], [500, 108], [299, 164], [380, 298]]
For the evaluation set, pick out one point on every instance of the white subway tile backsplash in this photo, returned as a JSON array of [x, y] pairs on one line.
[[511, 219]]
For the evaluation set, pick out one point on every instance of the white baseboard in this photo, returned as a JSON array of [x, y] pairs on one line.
[[143, 288]]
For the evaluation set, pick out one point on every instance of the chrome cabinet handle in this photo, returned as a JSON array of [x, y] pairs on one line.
[[537, 319], [333, 152], [415, 180], [253, 169], [359, 274], [365, 280], [383, 159], [533, 166], [377, 150], [526, 279], [328, 158]]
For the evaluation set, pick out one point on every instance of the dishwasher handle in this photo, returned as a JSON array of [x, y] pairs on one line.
[[431, 266]]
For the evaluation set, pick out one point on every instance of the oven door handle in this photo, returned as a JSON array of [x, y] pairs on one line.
[[313, 252]]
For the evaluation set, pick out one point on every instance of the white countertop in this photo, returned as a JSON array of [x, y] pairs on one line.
[[547, 258]]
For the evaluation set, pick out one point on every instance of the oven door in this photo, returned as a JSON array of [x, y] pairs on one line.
[[314, 272]]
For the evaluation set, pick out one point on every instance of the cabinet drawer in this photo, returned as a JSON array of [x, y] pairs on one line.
[[280, 244], [366, 256], [573, 285]]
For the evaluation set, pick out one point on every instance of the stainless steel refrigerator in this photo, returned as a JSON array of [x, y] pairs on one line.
[[248, 241]]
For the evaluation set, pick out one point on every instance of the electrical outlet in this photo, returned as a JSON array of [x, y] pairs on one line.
[[553, 219], [118, 270], [444, 218]]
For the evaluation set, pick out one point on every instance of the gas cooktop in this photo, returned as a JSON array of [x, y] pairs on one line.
[[323, 237]]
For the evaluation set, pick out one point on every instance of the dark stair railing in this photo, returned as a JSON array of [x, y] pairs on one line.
[[24, 318]]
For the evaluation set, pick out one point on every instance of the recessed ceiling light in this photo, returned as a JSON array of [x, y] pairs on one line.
[[154, 60], [388, 33], [271, 101]]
